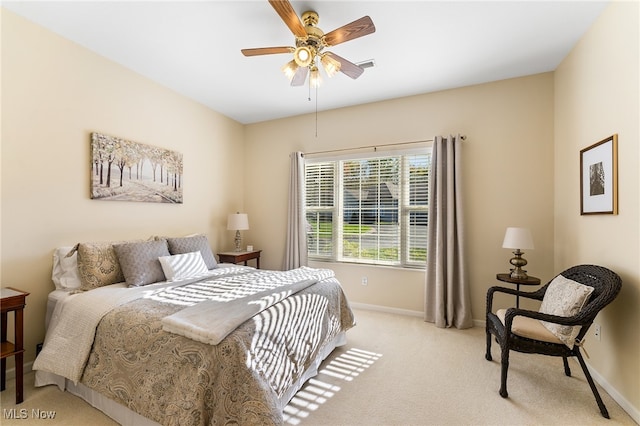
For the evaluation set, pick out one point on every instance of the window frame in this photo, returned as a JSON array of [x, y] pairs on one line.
[[404, 208]]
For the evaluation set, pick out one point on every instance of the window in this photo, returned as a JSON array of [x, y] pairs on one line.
[[368, 210]]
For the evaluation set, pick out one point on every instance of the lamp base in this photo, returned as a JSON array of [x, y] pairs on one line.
[[517, 273], [238, 241]]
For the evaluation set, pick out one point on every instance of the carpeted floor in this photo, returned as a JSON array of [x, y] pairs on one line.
[[396, 370]]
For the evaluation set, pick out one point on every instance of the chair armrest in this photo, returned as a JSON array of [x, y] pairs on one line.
[[513, 312], [535, 295]]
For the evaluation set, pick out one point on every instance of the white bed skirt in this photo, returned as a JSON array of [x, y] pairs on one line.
[[127, 417]]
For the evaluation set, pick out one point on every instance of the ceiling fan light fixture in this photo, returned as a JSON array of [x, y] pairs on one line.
[[310, 41], [314, 78], [289, 69], [330, 65], [303, 56]]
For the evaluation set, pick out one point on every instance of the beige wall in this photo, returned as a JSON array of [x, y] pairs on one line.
[[508, 177], [597, 94], [54, 94]]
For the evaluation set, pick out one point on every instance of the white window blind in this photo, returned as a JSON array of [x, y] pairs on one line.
[[320, 179], [368, 210]]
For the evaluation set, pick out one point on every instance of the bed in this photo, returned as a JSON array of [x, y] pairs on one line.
[[231, 345]]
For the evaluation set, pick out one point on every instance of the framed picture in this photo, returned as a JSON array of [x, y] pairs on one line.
[[599, 177], [122, 170]]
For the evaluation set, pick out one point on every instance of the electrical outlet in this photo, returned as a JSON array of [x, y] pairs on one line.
[[597, 331], [365, 281]]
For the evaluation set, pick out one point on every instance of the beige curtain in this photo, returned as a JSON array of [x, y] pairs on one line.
[[447, 300], [296, 245]]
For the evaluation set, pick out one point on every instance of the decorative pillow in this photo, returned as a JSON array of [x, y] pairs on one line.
[[139, 261], [190, 244], [564, 298], [65, 274], [181, 266], [97, 264]]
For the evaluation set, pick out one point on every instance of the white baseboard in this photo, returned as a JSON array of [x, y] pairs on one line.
[[407, 312], [27, 367], [387, 309], [627, 406]]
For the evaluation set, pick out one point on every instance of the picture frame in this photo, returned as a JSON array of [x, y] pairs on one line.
[[599, 177], [123, 170]]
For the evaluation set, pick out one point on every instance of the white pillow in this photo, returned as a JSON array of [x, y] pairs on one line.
[[184, 265], [65, 274], [564, 298]]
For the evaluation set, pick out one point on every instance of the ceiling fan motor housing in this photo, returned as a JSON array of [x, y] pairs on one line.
[[312, 44]]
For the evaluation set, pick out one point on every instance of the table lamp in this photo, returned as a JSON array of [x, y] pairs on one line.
[[238, 222], [518, 239]]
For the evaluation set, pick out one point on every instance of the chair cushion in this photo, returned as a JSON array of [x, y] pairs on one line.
[[529, 327], [564, 298]]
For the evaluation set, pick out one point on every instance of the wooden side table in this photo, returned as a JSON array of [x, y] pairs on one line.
[[12, 300], [240, 256], [527, 281]]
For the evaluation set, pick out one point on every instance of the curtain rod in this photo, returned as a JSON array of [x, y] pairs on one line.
[[375, 147]]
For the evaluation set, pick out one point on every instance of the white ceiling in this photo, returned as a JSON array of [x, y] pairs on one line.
[[418, 47]]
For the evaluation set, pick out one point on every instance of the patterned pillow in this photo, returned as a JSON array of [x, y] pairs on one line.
[[139, 261], [190, 244], [97, 265], [564, 298], [184, 265]]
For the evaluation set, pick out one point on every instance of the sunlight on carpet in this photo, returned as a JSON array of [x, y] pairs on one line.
[[318, 390]]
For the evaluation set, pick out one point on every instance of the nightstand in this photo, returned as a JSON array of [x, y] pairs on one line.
[[240, 256], [527, 281], [12, 300]]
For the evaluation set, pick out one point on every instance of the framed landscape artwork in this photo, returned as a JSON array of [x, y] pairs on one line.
[[123, 170], [599, 177]]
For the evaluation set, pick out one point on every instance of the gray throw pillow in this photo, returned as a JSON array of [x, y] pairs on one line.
[[139, 261], [190, 244]]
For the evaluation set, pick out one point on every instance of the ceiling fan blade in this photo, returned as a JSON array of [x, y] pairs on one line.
[[300, 76], [347, 67], [289, 16], [266, 50], [358, 28]]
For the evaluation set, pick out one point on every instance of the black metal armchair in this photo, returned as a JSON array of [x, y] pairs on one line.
[[606, 286]]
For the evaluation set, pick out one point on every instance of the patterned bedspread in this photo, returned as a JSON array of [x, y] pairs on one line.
[[246, 379]]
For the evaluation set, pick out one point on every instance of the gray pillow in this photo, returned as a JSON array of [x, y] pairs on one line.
[[139, 261], [190, 244]]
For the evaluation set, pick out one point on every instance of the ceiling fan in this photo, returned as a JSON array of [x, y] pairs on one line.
[[310, 43]]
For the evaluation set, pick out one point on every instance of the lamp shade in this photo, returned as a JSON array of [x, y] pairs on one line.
[[518, 238], [238, 221]]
